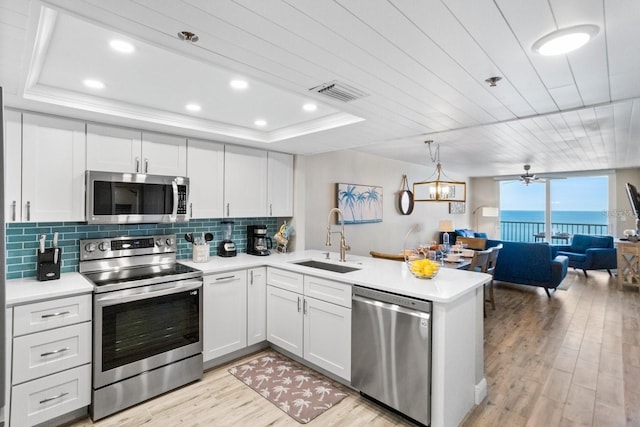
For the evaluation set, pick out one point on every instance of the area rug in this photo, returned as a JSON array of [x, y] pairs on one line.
[[298, 391]]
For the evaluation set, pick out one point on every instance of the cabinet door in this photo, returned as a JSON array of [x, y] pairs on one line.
[[113, 149], [12, 166], [205, 169], [327, 336], [245, 182], [164, 154], [53, 153], [257, 305], [280, 184], [284, 319], [224, 314]]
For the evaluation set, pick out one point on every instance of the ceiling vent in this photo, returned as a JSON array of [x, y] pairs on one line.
[[340, 91]]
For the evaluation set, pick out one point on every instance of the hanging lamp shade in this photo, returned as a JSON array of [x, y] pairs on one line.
[[438, 189]]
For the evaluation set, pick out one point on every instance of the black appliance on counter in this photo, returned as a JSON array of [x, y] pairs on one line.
[[226, 248], [257, 241]]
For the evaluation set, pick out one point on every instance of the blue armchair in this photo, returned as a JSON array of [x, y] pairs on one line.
[[590, 253], [533, 264]]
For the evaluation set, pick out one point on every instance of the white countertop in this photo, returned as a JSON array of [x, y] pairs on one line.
[[28, 290], [385, 275]]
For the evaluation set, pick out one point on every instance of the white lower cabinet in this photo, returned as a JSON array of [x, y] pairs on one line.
[[316, 328], [51, 359], [284, 319], [256, 305], [225, 313], [46, 398], [327, 336]]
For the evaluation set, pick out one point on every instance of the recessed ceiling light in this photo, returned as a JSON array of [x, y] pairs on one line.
[[193, 107], [121, 46], [309, 107], [260, 122], [239, 84], [93, 84], [565, 40]]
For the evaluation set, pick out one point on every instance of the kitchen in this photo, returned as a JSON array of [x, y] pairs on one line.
[[313, 181]]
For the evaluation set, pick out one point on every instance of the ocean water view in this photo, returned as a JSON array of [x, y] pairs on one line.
[[527, 226], [565, 217]]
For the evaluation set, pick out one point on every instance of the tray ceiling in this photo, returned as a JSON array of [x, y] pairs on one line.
[[422, 66]]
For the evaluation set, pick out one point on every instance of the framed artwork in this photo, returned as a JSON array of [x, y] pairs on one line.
[[456, 207], [360, 203]]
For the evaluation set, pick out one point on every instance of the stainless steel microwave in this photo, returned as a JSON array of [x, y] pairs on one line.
[[135, 198]]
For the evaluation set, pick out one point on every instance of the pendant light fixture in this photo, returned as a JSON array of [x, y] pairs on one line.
[[438, 189]]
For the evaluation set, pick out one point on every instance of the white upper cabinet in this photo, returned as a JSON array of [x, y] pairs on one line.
[[53, 165], [205, 168], [12, 166], [280, 184], [114, 149], [164, 154], [245, 177]]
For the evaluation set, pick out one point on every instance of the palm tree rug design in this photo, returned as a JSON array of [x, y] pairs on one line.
[[300, 392]]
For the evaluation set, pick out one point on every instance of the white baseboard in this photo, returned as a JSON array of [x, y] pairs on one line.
[[481, 391]]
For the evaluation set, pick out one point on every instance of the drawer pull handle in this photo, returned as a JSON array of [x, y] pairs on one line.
[[49, 399], [61, 313], [49, 353], [225, 278]]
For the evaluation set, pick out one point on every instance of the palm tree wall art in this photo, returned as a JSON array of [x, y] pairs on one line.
[[360, 203]]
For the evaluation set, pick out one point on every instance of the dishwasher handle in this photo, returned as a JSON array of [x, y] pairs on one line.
[[393, 307]]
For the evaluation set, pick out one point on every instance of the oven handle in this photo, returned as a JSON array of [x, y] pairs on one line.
[[140, 294]]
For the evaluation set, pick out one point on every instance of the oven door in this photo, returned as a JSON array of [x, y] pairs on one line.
[[139, 329]]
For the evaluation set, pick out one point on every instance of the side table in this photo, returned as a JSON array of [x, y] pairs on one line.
[[628, 264]]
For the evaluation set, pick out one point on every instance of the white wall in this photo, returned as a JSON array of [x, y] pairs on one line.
[[323, 171]]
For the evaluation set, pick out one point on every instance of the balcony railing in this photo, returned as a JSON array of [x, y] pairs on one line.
[[517, 231]]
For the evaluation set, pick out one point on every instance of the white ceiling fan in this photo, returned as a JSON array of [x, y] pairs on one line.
[[527, 178]]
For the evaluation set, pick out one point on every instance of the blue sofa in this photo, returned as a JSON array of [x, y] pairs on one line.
[[590, 253], [534, 264]]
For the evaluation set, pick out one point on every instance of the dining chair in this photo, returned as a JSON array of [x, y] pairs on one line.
[[491, 269], [393, 257], [479, 261]]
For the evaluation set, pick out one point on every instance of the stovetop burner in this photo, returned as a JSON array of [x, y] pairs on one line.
[[136, 274], [128, 262]]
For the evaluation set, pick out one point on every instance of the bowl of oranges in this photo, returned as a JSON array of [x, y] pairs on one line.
[[424, 268]]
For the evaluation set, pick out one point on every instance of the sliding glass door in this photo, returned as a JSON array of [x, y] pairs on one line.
[[522, 211], [553, 209]]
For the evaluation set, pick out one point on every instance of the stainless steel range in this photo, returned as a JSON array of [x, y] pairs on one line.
[[147, 320]]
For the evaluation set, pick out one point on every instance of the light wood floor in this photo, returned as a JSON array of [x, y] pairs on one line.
[[570, 360]]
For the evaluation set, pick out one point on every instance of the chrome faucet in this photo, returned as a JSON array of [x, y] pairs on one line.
[[343, 244]]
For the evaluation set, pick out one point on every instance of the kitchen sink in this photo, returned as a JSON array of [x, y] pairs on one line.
[[326, 266]]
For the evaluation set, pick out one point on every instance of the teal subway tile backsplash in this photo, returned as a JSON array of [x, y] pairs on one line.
[[22, 239]]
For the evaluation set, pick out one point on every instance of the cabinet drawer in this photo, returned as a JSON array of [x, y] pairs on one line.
[[51, 314], [46, 398], [232, 276], [47, 352], [285, 279], [328, 290]]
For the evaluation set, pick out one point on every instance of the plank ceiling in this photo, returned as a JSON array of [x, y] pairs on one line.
[[422, 65]]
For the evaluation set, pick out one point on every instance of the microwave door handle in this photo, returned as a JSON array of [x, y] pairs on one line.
[[174, 212]]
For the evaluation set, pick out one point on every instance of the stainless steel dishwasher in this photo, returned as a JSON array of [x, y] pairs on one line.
[[391, 351]]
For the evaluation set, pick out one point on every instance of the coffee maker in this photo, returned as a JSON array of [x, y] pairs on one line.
[[257, 241], [226, 248]]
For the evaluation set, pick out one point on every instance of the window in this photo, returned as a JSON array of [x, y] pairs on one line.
[[556, 207]]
